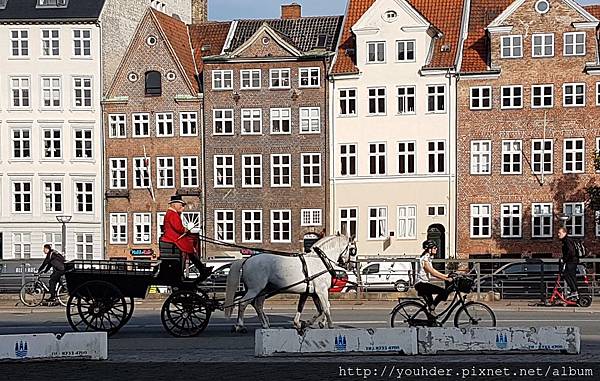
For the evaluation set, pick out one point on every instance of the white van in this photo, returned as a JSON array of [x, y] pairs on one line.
[[387, 276]]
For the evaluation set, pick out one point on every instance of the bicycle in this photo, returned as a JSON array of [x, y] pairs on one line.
[[33, 293], [414, 312], [558, 297]]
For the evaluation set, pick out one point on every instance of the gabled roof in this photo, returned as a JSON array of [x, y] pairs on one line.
[[517, 3], [284, 41], [27, 10], [593, 9], [208, 39]]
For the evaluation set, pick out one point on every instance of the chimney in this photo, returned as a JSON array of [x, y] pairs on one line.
[[291, 11], [199, 11]]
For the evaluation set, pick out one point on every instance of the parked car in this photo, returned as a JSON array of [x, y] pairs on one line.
[[524, 280], [385, 276]]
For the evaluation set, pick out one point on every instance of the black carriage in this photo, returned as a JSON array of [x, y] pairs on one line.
[[102, 293]]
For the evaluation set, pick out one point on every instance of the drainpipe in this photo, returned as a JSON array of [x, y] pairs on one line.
[[332, 160], [102, 152]]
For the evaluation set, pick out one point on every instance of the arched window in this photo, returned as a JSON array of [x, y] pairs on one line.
[[153, 83]]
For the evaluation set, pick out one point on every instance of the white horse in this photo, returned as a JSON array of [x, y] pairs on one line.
[[268, 274]]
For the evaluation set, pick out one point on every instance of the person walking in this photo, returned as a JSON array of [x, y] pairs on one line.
[[570, 261]]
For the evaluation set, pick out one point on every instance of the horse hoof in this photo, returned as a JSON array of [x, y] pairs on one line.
[[321, 325]]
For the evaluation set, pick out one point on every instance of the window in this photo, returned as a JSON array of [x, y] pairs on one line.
[[542, 96], [83, 144], [377, 101], [51, 93], [541, 215], [406, 100], [50, 43], [251, 121], [311, 169], [542, 6], [19, 42], [281, 121], [511, 220], [512, 156], [52, 140], [348, 102], [436, 210], [375, 52], [222, 122], [21, 141], [574, 94], [141, 125], [377, 159], [82, 92], [82, 43], [251, 225], [406, 158], [481, 217], [153, 83], [20, 90], [378, 223], [310, 120], [225, 225], [348, 221], [54, 239], [252, 171], [188, 124], [164, 124], [597, 93], [250, 79], [481, 157], [543, 45], [53, 197], [84, 197], [280, 78], [541, 156], [406, 51], [597, 219], [191, 218], [310, 77], [21, 192], [481, 98], [576, 221], [574, 156], [574, 44], [118, 173], [311, 217], [407, 222], [142, 224], [436, 98], [280, 171], [223, 171], [436, 155], [160, 225], [22, 245], [189, 172], [512, 97], [512, 47], [141, 172], [118, 228], [348, 158], [165, 172], [84, 246], [281, 226], [117, 125], [222, 79]]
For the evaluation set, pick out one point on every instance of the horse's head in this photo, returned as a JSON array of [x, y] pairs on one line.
[[336, 248]]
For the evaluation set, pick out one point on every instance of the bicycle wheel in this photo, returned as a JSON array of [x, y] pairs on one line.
[[62, 295], [32, 294], [409, 313], [474, 314]]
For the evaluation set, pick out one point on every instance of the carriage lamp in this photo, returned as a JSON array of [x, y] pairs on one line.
[[64, 220]]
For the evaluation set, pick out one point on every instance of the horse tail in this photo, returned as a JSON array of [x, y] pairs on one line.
[[233, 283]]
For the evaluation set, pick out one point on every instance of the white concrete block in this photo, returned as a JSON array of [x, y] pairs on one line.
[[72, 345], [270, 342], [514, 339]]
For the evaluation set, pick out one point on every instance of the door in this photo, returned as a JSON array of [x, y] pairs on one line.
[[370, 276], [437, 233]]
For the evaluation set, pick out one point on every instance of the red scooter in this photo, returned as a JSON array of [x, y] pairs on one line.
[[558, 298]]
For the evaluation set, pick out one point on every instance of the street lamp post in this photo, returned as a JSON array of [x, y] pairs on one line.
[[64, 220], [563, 219]]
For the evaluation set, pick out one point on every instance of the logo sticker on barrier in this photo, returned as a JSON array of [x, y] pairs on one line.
[[501, 341], [21, 349], [340, 343]]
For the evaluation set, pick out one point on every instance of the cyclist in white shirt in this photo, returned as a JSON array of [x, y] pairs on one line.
[[423, 285]]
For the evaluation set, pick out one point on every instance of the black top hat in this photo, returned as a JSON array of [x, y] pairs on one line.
[[177, 198]]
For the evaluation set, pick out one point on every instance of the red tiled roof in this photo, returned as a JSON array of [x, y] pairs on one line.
[[593, 9], [210, 35], [446, 15]]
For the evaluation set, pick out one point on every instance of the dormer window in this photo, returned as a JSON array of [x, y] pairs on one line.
[[390, 16], [153, 83], [53, 3]]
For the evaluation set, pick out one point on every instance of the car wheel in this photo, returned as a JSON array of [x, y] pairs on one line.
[[401, 286]]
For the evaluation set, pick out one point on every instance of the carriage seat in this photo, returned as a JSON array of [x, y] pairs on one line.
[[171, 260], [169, 250]]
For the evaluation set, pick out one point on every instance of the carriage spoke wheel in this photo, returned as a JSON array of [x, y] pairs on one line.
[[97, 306], [185, 314]]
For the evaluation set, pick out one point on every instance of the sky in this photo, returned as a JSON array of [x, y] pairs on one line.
[[238, 9]]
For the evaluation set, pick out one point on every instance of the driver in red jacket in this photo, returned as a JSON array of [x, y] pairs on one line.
[[176, 233]]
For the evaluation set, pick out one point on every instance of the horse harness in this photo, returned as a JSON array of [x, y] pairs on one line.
[[326, 261]]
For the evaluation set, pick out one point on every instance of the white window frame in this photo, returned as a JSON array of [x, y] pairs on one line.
[[436, 152], [404, 220], [84, 245], [308, 74], [311, 169], [281, 168], [481, 157], [20, 43], [117, 126], [141, 122], [255, 171], [311, 217], [164, 125], [479, 214], [348, 159], [511, 152], [575, 94], [597, 93], [53, 197], [190, 172], [50, 45], [280, 78], [224, 167], [87, 197], [378, 169], [511, 97], [512, 43], [251, 117], [25, 196], [84, 50], [577, 155], [405, 44], [223, 117], [381, 221], [376, 99], [163, 170], [21, 87], [278, 219], [277, 115], [542, 215], [347, 100], [254, 224], [142, 227], [83, 91], [54, 239], [141, 172], [22, 241], [542, 46], [25, 144], [508, 214], [407, 154], [377, 46], [118, 228], [310, 120], [52, 92], [576, 223], [52, 144], [349, 221], [228, 225], [405, 99], [222, 80], [574, 44], [188, 123], [477, 95], [250, 80], [160, 225], [542, 96], [83, 140], [543, 151], [436, 210], [118, 173], [437, 97]]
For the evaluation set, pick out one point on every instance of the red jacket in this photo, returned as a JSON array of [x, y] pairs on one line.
[[176, 233]]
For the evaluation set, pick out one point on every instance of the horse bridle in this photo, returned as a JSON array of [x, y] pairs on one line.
[[328, 262]]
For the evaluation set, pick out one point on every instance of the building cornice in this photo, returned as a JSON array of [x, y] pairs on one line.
[[490, 74], [500, 29], [585, 25]]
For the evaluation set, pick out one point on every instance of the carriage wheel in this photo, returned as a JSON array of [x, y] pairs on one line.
[[97, 306], [185, 313], [130, 308]]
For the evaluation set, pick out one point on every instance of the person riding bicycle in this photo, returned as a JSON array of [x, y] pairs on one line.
[[570, 261], [56, 261], [423, 285]]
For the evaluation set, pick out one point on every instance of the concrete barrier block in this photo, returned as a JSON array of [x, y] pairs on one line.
[[282, 342], [72, 345], [514, 339]]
